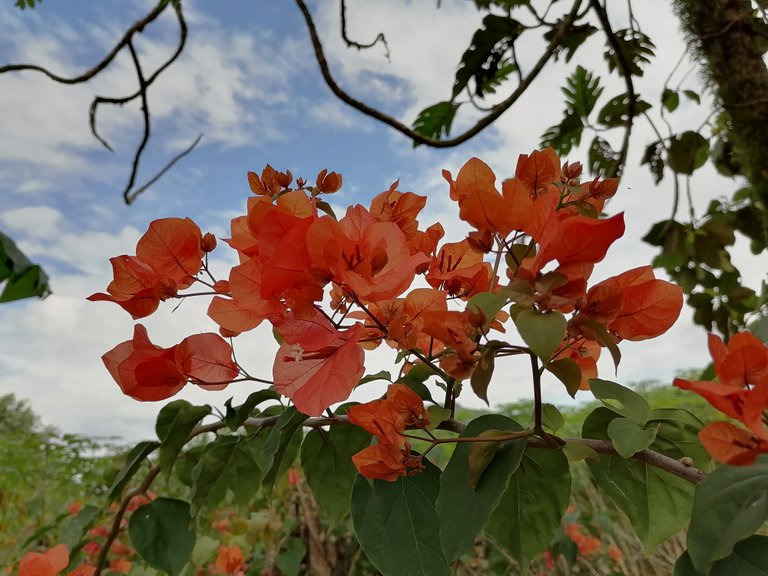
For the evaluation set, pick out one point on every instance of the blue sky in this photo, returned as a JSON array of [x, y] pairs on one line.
[[248, 81]]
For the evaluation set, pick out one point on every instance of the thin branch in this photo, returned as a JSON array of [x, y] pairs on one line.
[[481, 124], [626, 72], [351, 43], [137, 27]]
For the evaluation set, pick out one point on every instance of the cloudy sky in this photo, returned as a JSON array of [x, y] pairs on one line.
[[248, 82]]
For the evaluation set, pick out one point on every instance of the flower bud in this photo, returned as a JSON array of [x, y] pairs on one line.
[[209, 242]]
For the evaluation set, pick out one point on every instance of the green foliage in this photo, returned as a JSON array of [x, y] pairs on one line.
[[462, 509], [160, 531], [175, 422], [543, 333], [397, 525], [23, 4], [531, 507], [731, 504], [326, 459], [22, 278], [435, 121], [749, 558]]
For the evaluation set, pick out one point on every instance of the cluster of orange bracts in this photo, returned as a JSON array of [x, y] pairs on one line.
[[543, 227]]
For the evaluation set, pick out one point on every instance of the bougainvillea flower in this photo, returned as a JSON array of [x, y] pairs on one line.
[[480, 203], [585, 353], [316, 365], [457, 331], [142, 370], [538, 170], [402, 208], [388, 418], [230, 560], [168, 256], [370, 259], [405, 328], [206, 359], [382, 461], [460, 270], [173, 248], [741, 391], [729, 444], [271, 181], [148, 372], [48, 563], [633, 305]]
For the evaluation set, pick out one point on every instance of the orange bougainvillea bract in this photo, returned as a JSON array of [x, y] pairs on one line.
[[533, 243]]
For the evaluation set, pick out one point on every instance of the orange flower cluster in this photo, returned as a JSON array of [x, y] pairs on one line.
[[51, 563], [168, 256], [741, 392], [387, 419], [544, 225]]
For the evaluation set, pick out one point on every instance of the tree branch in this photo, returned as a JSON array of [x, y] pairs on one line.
[[351, 43], [478, 127]]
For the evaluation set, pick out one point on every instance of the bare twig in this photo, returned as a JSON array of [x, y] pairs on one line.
[[351, 43], [478, 127], [626, 72]]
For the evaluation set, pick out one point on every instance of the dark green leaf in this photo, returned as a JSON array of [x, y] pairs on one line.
[[74, 528], [463, 511], [435, 121], [397, 525], [481, 377], [621, 400], [568, 372], [212, 474], [564, 136], [749, 558], [602, 158], [277, 442], [236, 417], [637, 49], [24, 279], [160, 532], [326, 458], [381, 375], [174, 423], [670, 99], [615, 112], [687, 152], [606, 339], [531, 507], [653, 157], [290, 557], [571, 39], [730, 505], [657, 503], [133, 461], [551, 418], [692, 96]]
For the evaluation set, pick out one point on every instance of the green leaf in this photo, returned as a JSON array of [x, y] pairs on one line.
[[604, 338], [74, 528], [236, 417], [463, 511], [161, 534], [174, 423], [481, 454], [687, 152], [435, 121], [749, 558], [551, 418], [437, 415], [24, 279], [481, 376], [381, 375], [568, 372], [621, 400], [670, 99], [326, 458], [615, 112], [277, 442], [415, 379], [543, 333], [582, 90], [482, 59], [211, 475], [629, 437], [397, 526], [133, 461], [653, 156], [564, 136], [570, 40], [657, 503], [691, 95], [602, 158], [488, 304], [576, 450], [529, 512], [637, 49], [730, 505], [290, 557]]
